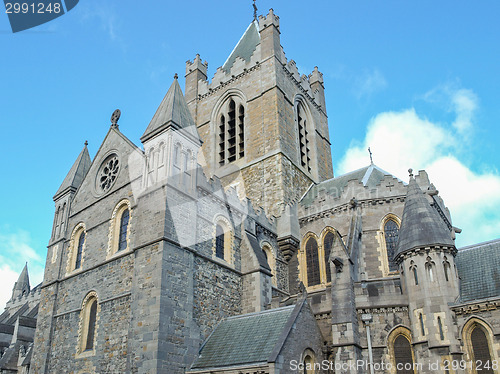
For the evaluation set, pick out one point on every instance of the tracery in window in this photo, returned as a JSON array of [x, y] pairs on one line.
[[303, 130], [312, 262], [231, 131], [391, 234]]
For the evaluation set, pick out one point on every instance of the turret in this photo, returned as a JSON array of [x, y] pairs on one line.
[[269, 27], [195, 71], [426, 257], [22, 286], [66, 191]]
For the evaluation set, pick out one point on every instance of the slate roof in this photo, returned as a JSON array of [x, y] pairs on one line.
[[173, 111], [245, 47], [77, 172], [478, 267], [421, 224], [370, 176], [246, 339]]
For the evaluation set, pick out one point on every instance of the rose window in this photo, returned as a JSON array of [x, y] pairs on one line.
[[109, 173]]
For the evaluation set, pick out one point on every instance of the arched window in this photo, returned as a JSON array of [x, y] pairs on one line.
[[119, 231], [89, 344], [447, 268], [481, 348], [303, 130], [312, 263], [231, 131], [76, 248], [79, 251], [422, 328], [122, 244], [429, 267], [88, 324], [308, 361], [413, 269], [271, 261], [391, 234], [403, 355], [327, 245], [440, 327], [219, 242]]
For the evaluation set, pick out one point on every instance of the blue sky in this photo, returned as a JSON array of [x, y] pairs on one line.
[[416, 81]]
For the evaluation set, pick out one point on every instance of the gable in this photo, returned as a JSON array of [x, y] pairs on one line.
[[115, 146]]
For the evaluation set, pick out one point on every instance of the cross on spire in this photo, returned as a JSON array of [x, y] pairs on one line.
[[254, 11], [371, 154]]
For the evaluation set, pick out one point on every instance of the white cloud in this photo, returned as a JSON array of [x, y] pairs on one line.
[[15, 251], [400, 140], [368, 83]]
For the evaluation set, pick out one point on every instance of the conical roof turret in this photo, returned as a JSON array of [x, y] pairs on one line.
[[421, 225], [76, 174], [22, 286], [172, 112]]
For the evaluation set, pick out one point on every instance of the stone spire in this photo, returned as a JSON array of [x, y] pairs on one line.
[[22, 286], [421, 225], [245, 47], [172, 112], [76, 174]]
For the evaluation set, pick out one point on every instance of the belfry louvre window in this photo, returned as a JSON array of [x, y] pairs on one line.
[[312, 262], [305, 158], [231, 132], [481, 349], [403, 355], [391, 232]]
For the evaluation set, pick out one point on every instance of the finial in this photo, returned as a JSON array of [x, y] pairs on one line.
[[411, 172], [176, 76], [86, 143], [115, 117], [254, 11], [371, 154]]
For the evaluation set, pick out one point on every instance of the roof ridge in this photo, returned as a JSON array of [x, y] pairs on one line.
[[262, 312]]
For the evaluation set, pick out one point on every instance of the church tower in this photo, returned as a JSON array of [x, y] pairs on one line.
[[426, 256], [264, 126]]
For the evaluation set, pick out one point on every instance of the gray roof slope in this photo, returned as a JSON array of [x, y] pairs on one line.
[[250, 338], [77, 172], [479, 270], [173, 111], [421, 225], [370, 176], [245, 47]]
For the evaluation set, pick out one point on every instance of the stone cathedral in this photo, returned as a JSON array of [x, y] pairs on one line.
[[224, 244]]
